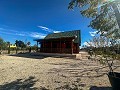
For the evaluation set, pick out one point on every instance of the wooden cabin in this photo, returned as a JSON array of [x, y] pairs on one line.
[[64, 42]]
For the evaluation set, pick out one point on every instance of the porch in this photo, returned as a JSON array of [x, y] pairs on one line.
[[60, 45]]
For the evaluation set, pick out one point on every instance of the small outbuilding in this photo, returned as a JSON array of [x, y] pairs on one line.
[[64, 42]]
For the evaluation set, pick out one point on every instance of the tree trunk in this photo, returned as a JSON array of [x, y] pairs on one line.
[[16, 50], [9, 49]]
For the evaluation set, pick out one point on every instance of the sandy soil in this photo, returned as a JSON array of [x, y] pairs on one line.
[[26, 72]]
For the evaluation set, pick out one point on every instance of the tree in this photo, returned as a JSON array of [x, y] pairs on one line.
[[106, 19], [8, 45], [28, 43], [20, 44], [16, 43], [105, 16], [34, 47], [3, 45]]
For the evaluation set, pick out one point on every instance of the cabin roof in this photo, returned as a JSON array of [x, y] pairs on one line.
[[75, 33], [63, 35]]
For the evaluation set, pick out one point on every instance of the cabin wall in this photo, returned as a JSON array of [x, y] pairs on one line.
[[59, 47], [75, 48]]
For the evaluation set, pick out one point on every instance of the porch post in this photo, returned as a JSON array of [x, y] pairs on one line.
[[72, 46], [51, 46], [37, 46], [78, 48], [43, 46], [60, 45]]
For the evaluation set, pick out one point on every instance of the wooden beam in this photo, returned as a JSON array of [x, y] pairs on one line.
[[51, 46], [78, 48], [37, 45], [43, 46], [60, 46], [72, 46]]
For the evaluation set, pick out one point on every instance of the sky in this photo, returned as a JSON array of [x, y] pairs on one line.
[[30, 19]]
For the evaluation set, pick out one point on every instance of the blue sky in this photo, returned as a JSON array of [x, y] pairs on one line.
[[29, 19]]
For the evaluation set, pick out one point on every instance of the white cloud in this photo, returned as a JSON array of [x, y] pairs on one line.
[[86, 44], [21, 33], [37, 35], [27, 34], [4, 32], [12, 32], [93, 33], [48, 29], [56, 31], [45, 28]]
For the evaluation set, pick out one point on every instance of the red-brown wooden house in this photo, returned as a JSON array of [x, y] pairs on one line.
[[64, 42]]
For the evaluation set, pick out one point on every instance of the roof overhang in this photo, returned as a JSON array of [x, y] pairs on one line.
[[52, 39]]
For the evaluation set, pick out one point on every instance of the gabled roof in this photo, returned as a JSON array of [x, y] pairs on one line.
[[75, 33]]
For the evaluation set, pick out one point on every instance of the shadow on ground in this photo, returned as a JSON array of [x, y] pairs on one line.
[[21, 84], [29, 55], [100, 88], [35, 55], [75, 70]]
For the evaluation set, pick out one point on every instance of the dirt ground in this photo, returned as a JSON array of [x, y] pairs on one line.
[[28, 72]]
